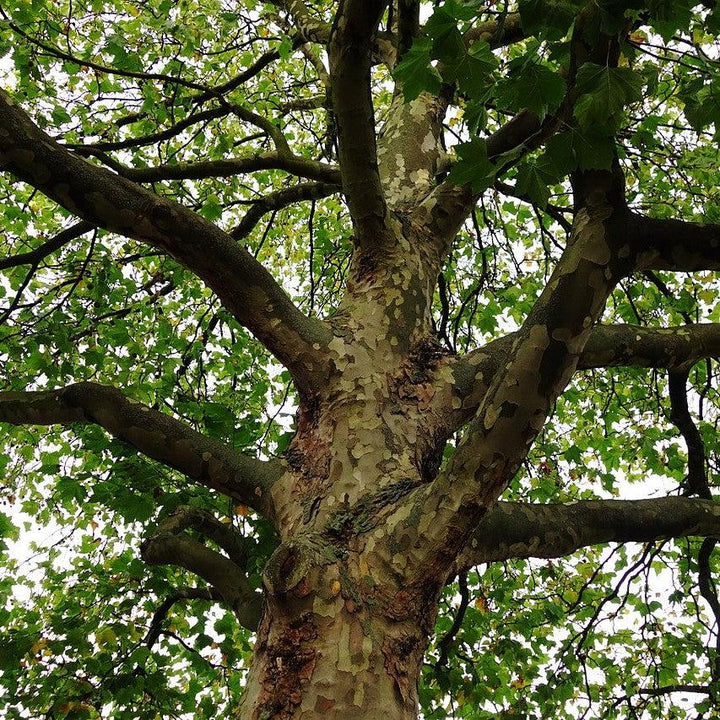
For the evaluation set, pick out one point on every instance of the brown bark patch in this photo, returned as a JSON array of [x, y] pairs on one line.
[[309, 458], [290, 663], [324, 704], [402, 663]]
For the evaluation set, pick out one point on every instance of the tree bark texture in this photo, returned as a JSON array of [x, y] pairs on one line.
[[371, 523]]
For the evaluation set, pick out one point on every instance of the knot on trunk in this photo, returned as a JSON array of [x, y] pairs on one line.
[[288, 567]]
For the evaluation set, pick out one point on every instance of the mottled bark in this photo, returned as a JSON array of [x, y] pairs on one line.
[[607, 346], [339, 645], [370, 524], [524, 530]]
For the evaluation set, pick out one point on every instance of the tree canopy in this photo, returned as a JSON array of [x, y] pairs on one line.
[[320, 311]]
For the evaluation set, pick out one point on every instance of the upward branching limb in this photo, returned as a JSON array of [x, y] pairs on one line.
[[154, 434], [445, 210], [350, 53], [102, 198], [544, 355], [672, 348]]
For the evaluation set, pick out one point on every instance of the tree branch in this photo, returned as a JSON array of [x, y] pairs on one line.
[[154, 434], [272, 130], [543, 358], [163, 609], [170, 546], [278, 200], [56, 52], [36, 256], [634, 346], [310, 29], [156, 137], [496, 33], [350, 53], [672, 348], [675, 245], [447, 207], [236, 546], [244, 287], [274, 160], [523, 530], [696, 481]]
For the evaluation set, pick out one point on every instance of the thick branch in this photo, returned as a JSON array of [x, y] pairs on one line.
[[674, 244], [542, 360], [245, 288], [235, 545], [409, 149], [350, 52], [634, 346], [608, 346], [520, 530], [160, 437]]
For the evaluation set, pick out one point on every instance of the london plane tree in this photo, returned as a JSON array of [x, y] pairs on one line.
[[339, 323]]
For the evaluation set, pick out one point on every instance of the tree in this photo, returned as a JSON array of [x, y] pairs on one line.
[[470, 247]]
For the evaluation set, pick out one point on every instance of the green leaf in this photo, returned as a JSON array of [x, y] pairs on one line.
[[473, 167], [573, 149], [533, 180], [447, 46], [606, 92], [7, 530], [548, 18], [476, 117], [669, 16], [415, 72], [702, 104], [531, 86]]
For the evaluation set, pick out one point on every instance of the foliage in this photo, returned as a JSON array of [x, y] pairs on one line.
[[592, 634]]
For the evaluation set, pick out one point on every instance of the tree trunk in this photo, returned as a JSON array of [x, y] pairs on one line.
[[346, 621], [337, 646]]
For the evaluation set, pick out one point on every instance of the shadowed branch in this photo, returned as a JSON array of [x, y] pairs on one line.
[[523, 530], [170, 545]]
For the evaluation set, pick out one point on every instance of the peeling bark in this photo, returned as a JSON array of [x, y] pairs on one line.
[[371, 525]]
